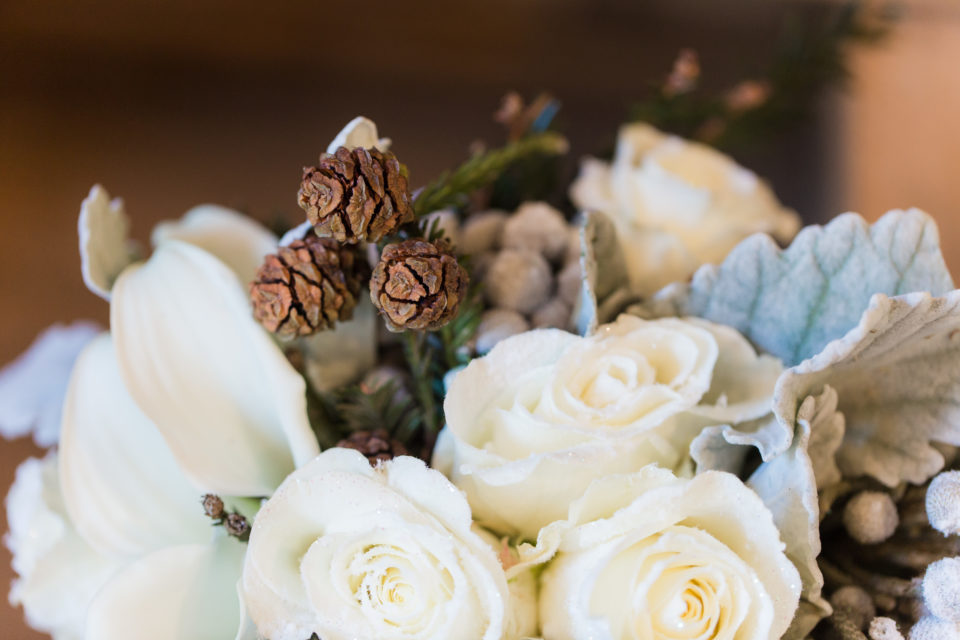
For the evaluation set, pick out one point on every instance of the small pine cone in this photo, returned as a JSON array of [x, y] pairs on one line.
[[212, 506], [307, 286], [418, 285], [376, 445], [356, 194]]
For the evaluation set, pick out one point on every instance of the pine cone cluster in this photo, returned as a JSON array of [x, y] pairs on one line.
[[418, 285], [376, 445], [356, 194], [307, 286]]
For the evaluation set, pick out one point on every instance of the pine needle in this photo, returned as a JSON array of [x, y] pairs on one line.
[[454, 187]]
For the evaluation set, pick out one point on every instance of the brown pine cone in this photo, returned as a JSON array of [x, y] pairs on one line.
[[418, 285], [307, 286], [356, 194], [376, 445]]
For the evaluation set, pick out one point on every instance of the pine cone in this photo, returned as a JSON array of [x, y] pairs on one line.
[[307, 287], [376, 445], [356, 194], [418, 285]]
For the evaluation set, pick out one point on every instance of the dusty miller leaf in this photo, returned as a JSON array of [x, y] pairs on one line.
[[787, 486], [827, 426], [897, 375], [603, 272], [792, 302]]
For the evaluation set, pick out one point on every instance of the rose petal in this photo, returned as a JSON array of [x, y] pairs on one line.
[[221, 392], [105, 249], [186, 591], [33, 386], [122, 486], [239, 241]]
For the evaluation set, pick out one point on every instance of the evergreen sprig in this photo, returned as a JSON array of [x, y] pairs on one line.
[[812, 55], [454, 187], [384, 407]]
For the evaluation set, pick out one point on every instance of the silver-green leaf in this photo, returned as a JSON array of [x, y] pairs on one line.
[[792, 302], [603, 273], [897, 377]]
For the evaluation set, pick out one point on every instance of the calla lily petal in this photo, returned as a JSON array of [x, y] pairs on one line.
[[186, 592], [217, 387], [58, 574], [238, 240], [359, 132], [105, 249], [123, 488], [335, 358]]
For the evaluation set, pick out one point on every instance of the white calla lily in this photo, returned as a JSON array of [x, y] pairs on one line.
[[240, 242], [359, 132], [122, 487], [58, 573], [184, 592], [217, 387]]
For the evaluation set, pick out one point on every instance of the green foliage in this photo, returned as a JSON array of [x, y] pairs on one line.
[[812, 56], [453, 188], [336, 414]]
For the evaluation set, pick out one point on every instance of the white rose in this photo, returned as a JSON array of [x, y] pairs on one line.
[[677, 204], [347, 551], [534, 422], [648, 556]]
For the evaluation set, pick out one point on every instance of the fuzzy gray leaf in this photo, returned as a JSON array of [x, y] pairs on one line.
[[792, 302], [603, 272], [787, 486], [897, 375]]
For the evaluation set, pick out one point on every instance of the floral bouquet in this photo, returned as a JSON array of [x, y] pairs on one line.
[[418, 415]]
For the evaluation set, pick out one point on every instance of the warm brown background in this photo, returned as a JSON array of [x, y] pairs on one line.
[[174, 103]]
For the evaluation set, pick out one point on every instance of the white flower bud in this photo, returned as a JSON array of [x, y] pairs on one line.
[[870, 517], [554, 313], [857, 603], [568, 283], [943, 503], [482, 232], [941, 589], [537, 226], [446, 219], [496, 325], [931, 628], [884, 629], [518, 280]]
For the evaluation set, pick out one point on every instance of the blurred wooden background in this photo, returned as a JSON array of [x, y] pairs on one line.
[[173, 103]]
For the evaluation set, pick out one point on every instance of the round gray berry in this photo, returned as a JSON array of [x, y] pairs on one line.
[[870, 517], [482, 232], [943, 503], [496, 325], [554, 313], [538, 227], [518, 280]]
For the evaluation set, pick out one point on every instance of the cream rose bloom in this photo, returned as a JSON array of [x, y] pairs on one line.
[[347, 551], [648, 556], [677, 204], [534, 422]]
